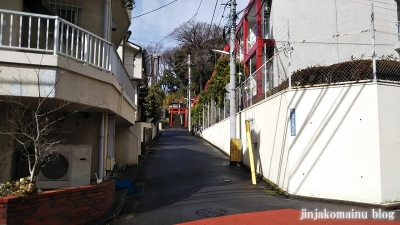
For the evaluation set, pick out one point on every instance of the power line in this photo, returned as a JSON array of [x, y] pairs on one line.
[[219, 9], [197, 9], [153, 10], [248, 6], [209, 30], [182, 24], [215, 7], [141, 40], [222, 16], [223, 36]]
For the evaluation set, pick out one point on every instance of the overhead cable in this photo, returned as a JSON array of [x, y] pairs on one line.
[[215, 7], [182, 24], [153, 10]]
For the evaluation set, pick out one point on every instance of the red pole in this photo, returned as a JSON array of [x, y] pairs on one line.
[[186, 118], [170, 116]]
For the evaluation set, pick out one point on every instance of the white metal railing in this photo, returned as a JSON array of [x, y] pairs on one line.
[[398, 29], [118, 69], [54, 35], [267, 28]]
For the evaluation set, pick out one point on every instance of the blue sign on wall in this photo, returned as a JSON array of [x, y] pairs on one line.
[[293, 122]]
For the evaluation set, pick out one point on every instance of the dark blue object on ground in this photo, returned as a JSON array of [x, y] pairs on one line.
[[120, 184]]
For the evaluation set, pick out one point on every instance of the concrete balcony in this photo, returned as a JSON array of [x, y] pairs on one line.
[[42, 54]]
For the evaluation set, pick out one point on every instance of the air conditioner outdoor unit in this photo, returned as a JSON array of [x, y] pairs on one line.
[[68, 166]]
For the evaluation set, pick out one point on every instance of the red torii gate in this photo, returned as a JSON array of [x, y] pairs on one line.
[[180, 111]]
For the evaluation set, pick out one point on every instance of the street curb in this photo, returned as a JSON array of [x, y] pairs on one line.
[[388, 206]]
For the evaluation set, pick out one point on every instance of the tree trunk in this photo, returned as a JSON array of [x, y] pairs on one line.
[[34, 174]]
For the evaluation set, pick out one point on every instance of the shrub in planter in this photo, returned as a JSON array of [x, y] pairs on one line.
[[21, 188]]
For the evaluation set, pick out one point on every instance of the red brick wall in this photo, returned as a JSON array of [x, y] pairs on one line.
[[74, 205]]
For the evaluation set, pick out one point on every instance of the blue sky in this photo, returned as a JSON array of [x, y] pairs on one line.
[[154, 26]]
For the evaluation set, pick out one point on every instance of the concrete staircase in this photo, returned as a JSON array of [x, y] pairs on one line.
[[176, 121]]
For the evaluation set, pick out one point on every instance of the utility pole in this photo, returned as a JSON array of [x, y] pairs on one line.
[[232, 81], [190, 101]]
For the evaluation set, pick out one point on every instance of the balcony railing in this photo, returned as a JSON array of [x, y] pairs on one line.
[[266, 33], [267, 28], [398, 29], [53, 35]]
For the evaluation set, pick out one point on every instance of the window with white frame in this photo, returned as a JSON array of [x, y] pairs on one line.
[[69, 12]]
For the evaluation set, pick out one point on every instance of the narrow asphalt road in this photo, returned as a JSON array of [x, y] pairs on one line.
[[189, 180]]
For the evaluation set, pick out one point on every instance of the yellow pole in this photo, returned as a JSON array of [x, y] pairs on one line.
[[251, 156]]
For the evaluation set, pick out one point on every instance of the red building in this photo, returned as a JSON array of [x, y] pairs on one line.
[[254, 46], [254, 42]]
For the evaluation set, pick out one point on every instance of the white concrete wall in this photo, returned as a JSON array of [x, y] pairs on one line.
[[270, 155], [316, 19], [337, 143], [16, 5], [389, 130], [24, 81], [128, 60], [138, 66], [133, 61], [127, 146], [137, 129], [221, 140], [336, 152]]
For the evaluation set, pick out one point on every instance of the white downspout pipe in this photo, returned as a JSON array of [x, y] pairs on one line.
[[103, 115], [106, 19], [101, 147]]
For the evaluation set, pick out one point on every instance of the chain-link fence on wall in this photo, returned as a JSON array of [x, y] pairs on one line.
[[346, 58], [264, 82], [213, 114], [369, 55]]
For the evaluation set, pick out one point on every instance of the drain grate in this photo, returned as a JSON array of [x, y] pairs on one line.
[[211, 212]]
